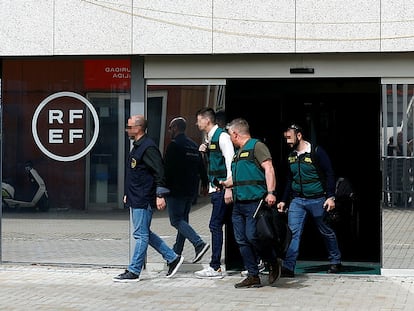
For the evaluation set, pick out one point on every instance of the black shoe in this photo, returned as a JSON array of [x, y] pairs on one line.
[[274, 271], [200, 251], [127, 276], [250, 281], [174, 266], [286, 273], [335, 268]]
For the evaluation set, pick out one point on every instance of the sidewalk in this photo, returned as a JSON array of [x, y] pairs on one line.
[[25, 287], [87, 251]]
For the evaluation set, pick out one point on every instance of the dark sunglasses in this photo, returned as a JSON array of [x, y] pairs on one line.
[[128, 127]]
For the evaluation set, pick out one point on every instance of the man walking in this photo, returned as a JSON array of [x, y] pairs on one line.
[[145, 190], [310, 189], [219, 150], [253, 179], [184, 168]]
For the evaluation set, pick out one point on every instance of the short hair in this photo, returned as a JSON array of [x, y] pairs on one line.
[[207, 112], [239, 125], [139, 119]]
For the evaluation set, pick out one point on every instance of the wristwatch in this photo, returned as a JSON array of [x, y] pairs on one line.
[[271, 192], [332, 198]]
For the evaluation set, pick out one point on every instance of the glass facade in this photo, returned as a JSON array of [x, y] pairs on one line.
[[398, 176], [64, 149]]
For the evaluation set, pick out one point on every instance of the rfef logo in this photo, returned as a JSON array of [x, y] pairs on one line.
[[59, 126]]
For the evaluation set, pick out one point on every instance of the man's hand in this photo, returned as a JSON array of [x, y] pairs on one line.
[[161, 204], [281, 207], [329, 204], [228, 195]]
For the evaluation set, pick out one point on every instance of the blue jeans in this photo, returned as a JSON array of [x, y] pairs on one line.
[[298, 210], [141, 220], [217, 220], [244, 227], [178, 211]]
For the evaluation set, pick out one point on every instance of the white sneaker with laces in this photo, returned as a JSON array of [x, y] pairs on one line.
[[209, 273]]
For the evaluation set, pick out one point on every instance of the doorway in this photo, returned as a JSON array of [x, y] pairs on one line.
[[330, 110]]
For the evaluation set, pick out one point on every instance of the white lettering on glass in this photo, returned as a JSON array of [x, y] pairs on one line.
[[57, 135], [55, 115]]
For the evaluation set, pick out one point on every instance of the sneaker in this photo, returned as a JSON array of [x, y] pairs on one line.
[[261, 266], [200, 251], [286, 273], [174, 266], [335, 268], [125, 277], [274, 271], [209, 273], [250, 281]]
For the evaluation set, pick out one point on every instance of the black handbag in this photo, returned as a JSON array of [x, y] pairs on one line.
[[271, 226], [265, 224]]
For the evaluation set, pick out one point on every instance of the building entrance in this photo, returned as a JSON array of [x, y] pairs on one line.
[[330, 110]]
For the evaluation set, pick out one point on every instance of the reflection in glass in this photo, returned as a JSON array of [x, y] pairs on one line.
[[398, 176]]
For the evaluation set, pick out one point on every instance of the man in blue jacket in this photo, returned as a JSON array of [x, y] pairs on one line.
[[145, 189]]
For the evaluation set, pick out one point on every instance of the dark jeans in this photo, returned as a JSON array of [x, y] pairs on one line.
[[178, 211], [244, 226], [217, 220]]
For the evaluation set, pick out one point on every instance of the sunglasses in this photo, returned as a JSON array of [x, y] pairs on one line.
[[128, 127], [295, 127]]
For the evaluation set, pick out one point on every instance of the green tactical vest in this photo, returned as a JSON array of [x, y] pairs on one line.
[[249, 181]]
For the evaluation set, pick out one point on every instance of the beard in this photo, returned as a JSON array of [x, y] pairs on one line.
[[295, 145]]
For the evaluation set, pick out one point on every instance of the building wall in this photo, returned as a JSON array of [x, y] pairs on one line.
[[77, 27]]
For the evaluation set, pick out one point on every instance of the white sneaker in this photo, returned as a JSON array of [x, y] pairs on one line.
[[209, 273], [261, 267]]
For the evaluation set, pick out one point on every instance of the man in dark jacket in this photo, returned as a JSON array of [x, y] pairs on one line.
[[184, 167], [145, 190]]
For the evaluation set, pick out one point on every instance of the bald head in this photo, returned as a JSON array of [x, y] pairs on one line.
[[139, 120], [179, 122], [136, 126], [177, 126]]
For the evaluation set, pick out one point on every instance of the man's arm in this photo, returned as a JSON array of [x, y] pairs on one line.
[[172, 159], [153, 159], [326, 167], [227, 149]]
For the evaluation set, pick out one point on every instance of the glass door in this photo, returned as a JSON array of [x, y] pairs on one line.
[[397, 174]]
